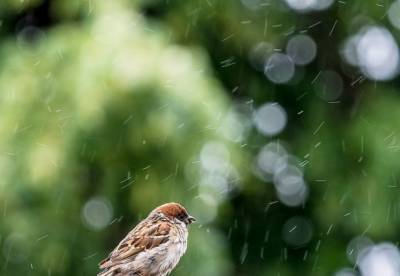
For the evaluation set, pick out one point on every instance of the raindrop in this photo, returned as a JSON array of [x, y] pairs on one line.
[[243, 254], [279, 68]]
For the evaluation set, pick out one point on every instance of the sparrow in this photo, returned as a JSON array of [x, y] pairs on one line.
[[154, 247]]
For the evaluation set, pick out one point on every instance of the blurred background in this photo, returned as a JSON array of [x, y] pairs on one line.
[[276, 123]]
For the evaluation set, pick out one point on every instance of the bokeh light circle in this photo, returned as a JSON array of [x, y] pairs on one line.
[[302, 49], [378, 53], [97, 213], [279, 68], [268, 158], [345, 272], [394, 14], [297, 231], [308, 5], [379, 260], [356, 247], [328, 86], [270, 119], [289, 181]]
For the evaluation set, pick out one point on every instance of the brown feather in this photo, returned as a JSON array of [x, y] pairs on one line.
[[161, 230], [142, 237]]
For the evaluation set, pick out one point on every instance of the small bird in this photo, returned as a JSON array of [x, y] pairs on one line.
[[154, 247]]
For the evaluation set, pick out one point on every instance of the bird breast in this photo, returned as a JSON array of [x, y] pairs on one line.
[[175, 250], [161, 260]]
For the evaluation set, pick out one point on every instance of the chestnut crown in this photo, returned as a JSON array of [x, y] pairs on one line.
[[177, 211]]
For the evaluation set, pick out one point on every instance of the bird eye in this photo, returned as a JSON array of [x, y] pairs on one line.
[[181, 217]]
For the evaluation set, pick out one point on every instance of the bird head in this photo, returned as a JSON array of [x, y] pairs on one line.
[[176, 211]]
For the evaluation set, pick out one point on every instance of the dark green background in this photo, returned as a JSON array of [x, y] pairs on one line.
[[102, 91]]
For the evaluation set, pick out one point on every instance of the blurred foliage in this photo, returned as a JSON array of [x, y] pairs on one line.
[[116, 101]]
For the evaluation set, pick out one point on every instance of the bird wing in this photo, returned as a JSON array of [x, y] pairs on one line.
[[146, 235]]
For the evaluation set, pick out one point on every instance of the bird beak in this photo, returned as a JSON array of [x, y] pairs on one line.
[[190, 220]]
